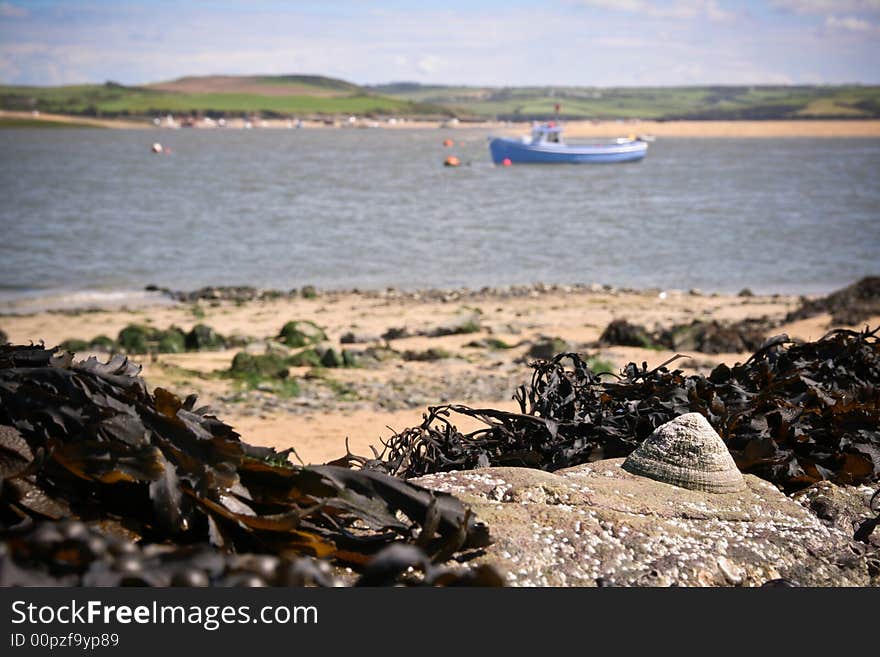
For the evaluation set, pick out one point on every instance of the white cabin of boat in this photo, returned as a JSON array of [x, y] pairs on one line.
[[545, 133]]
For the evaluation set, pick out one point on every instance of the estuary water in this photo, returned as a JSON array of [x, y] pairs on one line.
[[94, 211]]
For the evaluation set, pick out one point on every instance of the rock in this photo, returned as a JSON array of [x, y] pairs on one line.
[[102, 343], [256, 348], [171, 341], [239, 294], [851, 305], [3, 337], [732, 573], [708, 337], [350, 358], [351, 337], [306, 358], [395, 333], [846, 508], [269, 366], [428, 355], [331, 358], [464, 324], [712, 337], [489, 343], [546, 348], [134, 338], [597, 523], [621, 332], [301, 333], [74, 345], [260, 347], [203, 337], [140, 339], [379, 354], [239, 340]]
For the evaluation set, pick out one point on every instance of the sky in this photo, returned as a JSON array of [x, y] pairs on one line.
[[493, 42]]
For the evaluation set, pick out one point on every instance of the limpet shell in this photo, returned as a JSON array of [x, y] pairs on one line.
[[689, 453]]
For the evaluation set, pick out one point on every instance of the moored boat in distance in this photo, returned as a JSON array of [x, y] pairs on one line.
[[546, 146]]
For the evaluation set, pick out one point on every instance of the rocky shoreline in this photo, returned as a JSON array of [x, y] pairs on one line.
[[245, 293], [320, 377], [598, 523]]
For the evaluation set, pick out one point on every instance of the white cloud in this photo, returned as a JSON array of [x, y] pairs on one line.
[[851, 24], [9, 10], [828, 6], [429, 64], [680, 9]]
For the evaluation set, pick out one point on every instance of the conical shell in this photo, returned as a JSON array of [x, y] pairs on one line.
[[687, 452]]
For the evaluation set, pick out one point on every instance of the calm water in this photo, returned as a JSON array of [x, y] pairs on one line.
[[95, 210]]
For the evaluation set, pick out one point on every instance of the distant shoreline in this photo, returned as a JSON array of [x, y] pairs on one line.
[[866, 128]]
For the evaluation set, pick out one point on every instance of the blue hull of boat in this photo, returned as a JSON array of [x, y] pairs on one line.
[[523, 153]]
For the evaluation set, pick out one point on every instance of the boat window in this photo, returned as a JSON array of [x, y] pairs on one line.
[[553, 137]]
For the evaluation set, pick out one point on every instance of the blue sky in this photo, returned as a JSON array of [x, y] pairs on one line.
[[570, 42]]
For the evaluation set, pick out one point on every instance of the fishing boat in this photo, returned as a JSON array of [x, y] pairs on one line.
[[546, 146]]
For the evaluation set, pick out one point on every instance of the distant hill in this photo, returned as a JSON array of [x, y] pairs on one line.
[[261, 85], [661, 103], [216, 95], [318, 96]]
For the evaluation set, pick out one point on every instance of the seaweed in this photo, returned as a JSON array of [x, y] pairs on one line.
[[74, 553], [793, 414], [87, 440]]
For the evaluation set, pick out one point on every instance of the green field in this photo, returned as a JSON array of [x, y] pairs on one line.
[[316, 96], [114, 100], [663, 103]]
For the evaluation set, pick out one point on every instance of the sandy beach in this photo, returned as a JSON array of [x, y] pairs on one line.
[[74, 121], [741, 129], [574, 129], [480, 366]]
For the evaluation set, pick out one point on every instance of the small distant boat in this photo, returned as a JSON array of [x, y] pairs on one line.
[[545, 146]]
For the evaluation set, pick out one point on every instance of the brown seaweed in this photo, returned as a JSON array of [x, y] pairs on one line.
[[75, 553], [87, 439], [851, 305], [793, 413]]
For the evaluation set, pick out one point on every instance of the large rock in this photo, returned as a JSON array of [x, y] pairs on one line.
[[598, 524]]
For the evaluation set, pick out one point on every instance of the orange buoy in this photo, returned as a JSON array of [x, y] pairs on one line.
[[506, 162], [451, 161], [448, 143]]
